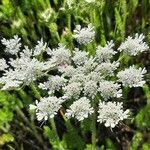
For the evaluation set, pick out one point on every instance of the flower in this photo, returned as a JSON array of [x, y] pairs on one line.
[[105, 53], [110, 113], [72, 90], [47, 14], [88, 66], [80, 109], [132, 77], [94, 76], [90, 1], [109, 89], [3, 64], [67, 70], [47, 107], [107, 68], [90, 89], [54, 83], [134, 45], [80, 77], [70, 3], [80, 57], [84, 35], [13, 45], [40, 47], [23, 70], [60, 55]]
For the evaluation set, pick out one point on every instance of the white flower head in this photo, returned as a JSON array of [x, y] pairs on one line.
[[9, 80], [47, 107], [90, 1], [80, 77], [107, 68], [46, 14], [80, 57], [67, 70], [40, 47], [134, 45], [94, 76], [132, 77], [105, 53], [89, 65], [60, 55], [80, 109], [109, 89], [70, 3], [13, 45], [110, 113], [3, 64], [54, 83], [90, 89], [84, 35], [72, 90]]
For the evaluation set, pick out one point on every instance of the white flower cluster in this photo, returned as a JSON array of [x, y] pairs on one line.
[[12, 45], [84, 35], [109, 89], [53, 84], [60, 55], [22, 69], [47, 107], [133, 46], [74, 76], [132, 77], [40, 47], [105, 53], [80, 109], [111, 113]]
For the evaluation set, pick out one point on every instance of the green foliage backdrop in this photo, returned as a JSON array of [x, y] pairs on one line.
[[113, 19]]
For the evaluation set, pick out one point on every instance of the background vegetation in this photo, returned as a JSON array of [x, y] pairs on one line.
[[53, 21]]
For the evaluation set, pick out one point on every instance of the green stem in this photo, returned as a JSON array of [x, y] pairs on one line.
[[93, 127], [54, 129], [69, 21], [35, 91]]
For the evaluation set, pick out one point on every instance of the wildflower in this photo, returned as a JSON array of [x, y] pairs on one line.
[[3, 64], [72, 90], [40, 47], [90, 89], [132, 77], [90, 1], [46, 15], [80, 109], [107, 68], [70, 3], [54, 83], [80, 57], [105, 53], [94, 76], [47, 107], [80, 77], [109, 89], [110, 113], [134, 45], [13, 45], [89, 65], [60, 55], [84, 35], [67, 70]]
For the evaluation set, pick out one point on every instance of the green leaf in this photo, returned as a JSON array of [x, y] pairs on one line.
[[5, 138], [72, 138], [110, 145], [137, 138], [142, 120]]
